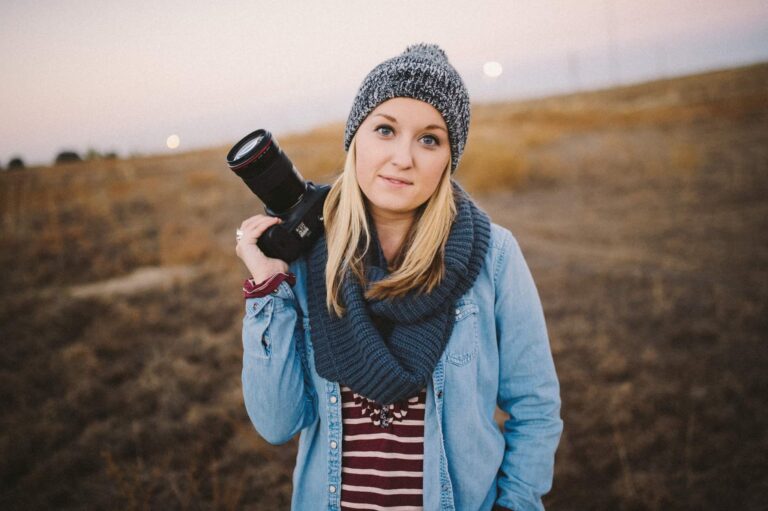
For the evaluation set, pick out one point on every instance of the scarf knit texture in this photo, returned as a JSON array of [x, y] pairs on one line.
[[387, 349]]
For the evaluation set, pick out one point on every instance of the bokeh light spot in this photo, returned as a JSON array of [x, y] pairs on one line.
[[492, 69], [173, 141]]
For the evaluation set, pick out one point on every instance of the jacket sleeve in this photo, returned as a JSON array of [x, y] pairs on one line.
[[276, 390], [528, 387]]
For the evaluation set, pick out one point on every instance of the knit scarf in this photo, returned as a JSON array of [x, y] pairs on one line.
[[387, 349]]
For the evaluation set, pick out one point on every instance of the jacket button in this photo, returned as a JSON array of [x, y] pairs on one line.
[[334, 444], [332, 489], [439, 394], [333, 399]]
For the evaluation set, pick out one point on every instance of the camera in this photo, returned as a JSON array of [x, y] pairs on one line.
[[258, 160]]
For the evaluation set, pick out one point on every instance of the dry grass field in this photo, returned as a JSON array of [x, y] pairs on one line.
[[641, 210]]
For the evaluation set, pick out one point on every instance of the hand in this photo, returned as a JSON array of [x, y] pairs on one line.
[[260, 266]]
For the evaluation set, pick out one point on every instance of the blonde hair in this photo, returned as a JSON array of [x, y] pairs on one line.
[[419, 263]]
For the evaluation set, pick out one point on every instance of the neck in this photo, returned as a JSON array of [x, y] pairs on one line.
[[392, 230]]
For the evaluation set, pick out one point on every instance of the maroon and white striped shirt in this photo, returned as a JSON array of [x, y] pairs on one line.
[[382, 467]]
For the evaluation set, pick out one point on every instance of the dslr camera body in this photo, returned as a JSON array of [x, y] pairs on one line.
[[258, 160]]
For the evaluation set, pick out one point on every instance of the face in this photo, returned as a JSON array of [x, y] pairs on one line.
[[401, 152]]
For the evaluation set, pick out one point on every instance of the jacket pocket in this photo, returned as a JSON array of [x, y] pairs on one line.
[[463, 344]]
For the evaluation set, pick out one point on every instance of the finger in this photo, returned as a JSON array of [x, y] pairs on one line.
[[256, 220], [257, 228], [259, 224], [251, 220]]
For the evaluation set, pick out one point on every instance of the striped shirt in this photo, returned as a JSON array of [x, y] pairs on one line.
[[382, 465]]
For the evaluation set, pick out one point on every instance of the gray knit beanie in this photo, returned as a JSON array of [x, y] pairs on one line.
[[422, 72]]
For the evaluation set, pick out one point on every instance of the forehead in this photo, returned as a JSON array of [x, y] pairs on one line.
[[409, 110]]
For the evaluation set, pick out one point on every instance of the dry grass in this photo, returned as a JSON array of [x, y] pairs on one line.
[[640, 210]]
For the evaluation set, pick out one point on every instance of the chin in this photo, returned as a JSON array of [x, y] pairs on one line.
[[395, 208]]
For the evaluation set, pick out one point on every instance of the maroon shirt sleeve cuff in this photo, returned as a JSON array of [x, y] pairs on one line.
[[252, 289]]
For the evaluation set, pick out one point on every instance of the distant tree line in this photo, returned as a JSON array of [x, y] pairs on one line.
[[65, 156]]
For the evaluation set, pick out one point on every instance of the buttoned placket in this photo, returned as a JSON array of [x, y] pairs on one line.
[[333, 400], [446, 487]]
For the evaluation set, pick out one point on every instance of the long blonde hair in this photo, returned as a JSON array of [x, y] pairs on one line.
[[418, 265]]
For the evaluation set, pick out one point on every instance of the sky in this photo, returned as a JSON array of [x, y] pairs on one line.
[[126, 76]]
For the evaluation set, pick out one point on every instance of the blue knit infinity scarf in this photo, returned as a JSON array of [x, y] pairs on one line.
[[386, 350]]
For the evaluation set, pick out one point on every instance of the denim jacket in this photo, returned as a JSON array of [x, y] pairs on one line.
[[498, 354]]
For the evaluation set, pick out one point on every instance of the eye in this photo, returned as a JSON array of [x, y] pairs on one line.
[[384, 127], [434, 139]]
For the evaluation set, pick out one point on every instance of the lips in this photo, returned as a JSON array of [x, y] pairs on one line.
[[397, 181]]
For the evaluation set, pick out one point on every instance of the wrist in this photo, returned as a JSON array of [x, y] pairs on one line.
[[265, 273], [263, 270], [253, 289]]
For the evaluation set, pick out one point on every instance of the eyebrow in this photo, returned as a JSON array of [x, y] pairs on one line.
[[431, 126]]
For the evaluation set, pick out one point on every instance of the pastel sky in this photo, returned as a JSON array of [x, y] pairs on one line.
[[124, 76]]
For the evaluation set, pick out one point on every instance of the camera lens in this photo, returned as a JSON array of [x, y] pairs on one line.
[[248, 146], [267, 171]]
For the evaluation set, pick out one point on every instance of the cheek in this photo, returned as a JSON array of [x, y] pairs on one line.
[[363, 173], [429, 188], [433, 180], [365, 160]]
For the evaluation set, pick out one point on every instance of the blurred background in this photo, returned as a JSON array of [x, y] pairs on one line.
[[625, 145]]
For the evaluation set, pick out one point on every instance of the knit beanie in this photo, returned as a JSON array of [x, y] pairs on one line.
[[421, 72]]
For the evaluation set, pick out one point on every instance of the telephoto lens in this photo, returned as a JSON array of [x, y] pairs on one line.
[[258, 160]]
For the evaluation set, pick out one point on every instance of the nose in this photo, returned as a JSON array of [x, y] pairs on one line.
[[401, 154]]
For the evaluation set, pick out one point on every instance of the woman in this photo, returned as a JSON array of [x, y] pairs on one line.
[[389, 345]]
